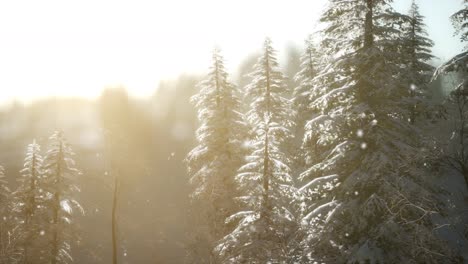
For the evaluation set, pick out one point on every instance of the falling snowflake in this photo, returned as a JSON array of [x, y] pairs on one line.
[[413, 87], [172, 155], [374, 122], [360, 133], [453, 135], [42, 232], [363, 145]]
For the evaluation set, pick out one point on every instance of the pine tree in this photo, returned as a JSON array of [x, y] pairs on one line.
[[4, 211], [460, 22], [417, 55], [265, 223], [4, 193], [29, 203], [303, 95], [118, 122], [10, 251], [369, 200], [304, 91], [213, 164], [61, 185]]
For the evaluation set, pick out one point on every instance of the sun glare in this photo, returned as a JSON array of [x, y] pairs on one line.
[[77, 48], [69, 48]]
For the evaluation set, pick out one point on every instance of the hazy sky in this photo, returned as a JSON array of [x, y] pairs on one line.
[[64, 47]]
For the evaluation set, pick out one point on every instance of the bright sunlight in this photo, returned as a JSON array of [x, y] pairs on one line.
[[77, 48]]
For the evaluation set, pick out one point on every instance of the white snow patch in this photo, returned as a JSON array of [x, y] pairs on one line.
[[66, 206]]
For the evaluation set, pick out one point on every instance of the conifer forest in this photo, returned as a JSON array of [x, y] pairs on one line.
[[350, 147]]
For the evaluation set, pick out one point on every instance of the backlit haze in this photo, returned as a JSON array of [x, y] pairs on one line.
[[77, 48]]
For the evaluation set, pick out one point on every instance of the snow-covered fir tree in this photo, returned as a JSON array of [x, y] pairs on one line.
[[265, 224], [212, 165], [4, 193], [308, 70], [369, 197], [417, 53], [4, 211], [302, 97], [10, 251], [60, 183], [460, 22], [29, 203]]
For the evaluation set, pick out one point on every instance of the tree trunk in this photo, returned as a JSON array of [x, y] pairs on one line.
[[55, 246], [266, 178], [369, 25], [114, 220]]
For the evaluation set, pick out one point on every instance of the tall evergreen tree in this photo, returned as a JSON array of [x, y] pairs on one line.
[[265, 223], [61, 185], [120, 126], [417, 53], [29, 203], [460, 22], [370, 201], [304, 91], [291, 66], [10, 251], [303, 95], [4, 193], [213, 164]]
